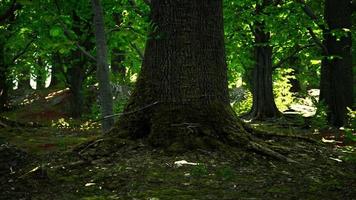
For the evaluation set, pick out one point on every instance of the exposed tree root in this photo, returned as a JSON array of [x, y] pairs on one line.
[[181, 128], [267, 151], [257, 133]]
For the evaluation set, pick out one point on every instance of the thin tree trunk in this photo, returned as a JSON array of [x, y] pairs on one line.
[[117, 68], [294, 64], [4, 86], [55, 70], [262, 86], [40, 75], [75, 77], [105, 95], [336, 85], [24, 81]]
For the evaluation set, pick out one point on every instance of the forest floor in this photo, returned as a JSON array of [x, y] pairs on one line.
[[41, 161]]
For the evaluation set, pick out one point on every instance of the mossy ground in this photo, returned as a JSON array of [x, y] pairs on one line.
[[59, 166], [137, 171]]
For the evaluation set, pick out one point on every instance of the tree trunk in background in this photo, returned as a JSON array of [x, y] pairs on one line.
[[4, 86], [40, 75], [181, 96], [24, 81], [78, 64], [117, 68], [294, 63], [262, 86], [336, 85], [55, 70], [75, 78], [105, 95]]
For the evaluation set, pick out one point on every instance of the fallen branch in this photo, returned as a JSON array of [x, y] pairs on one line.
[[89, 145]]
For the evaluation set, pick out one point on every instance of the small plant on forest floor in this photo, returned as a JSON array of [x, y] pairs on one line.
[[319, 120], [226, 173], [350, 129], [199, 171]]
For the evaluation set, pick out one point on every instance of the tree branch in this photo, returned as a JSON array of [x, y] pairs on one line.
[[295, 52], [138, 51], [309, 12], [67, 33], [136, 9], [24, 50], [317, 41]]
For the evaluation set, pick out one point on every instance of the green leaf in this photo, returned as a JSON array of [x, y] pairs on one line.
[[56, 32]]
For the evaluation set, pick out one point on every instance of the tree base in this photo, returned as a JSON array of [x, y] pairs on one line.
[[184, 126], [180, 128]]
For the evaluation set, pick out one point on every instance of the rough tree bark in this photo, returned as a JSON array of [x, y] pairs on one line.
[[262, 87], [105, 96], [336, 85], [181, 96]]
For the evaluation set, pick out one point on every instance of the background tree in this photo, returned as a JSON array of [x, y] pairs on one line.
[[7, 19], [336, 85], [102, 67], [263, 99]]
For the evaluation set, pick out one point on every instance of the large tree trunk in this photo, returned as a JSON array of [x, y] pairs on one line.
[[262, 86], [105, 95], [181, 96], [336, 85]]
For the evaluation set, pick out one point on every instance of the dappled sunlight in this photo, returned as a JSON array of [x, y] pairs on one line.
[[56, 93], [72, 124]]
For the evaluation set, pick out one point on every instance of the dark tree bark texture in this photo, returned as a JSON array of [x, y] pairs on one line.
[[76, 78], [117, 68], [105, 95], [56, 69], [78, 64], [4, 86], [40, 74], [262, 86], [336, 86], [181, 96]]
